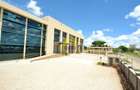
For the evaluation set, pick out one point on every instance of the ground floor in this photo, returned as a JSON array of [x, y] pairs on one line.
[[73, 72]]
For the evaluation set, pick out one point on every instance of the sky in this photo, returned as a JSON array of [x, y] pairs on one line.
[[115, 21]]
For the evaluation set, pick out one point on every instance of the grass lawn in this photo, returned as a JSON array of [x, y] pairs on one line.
[[134, 54]]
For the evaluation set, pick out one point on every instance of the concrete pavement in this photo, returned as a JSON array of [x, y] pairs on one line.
[[74, 72]]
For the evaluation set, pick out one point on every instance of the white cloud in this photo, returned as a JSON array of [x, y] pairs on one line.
[[34, 8], [122, 37], [134, 14], [137, 33], [107, 30], [133, 38], [80, 31]]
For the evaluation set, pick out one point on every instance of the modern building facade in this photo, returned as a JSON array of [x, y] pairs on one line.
[[23, 35]]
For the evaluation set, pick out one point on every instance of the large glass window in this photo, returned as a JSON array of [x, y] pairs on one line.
[[71, 43], [44, 39], [34, 24], [33, 39], [81, 45], [14, 17], [12, 36], [56, 41], [64, 43], [72, 40], [77, 40], [12, 33], [64, 37], [77, 46], [56, 35]]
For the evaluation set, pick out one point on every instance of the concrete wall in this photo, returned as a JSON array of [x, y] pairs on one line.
[[138, 82], [49, 40], [133, 78], [52, 24], [131, 75]]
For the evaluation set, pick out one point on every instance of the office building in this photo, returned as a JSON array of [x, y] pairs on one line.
[[23, 35]]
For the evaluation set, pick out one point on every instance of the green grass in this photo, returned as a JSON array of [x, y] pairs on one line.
[[135, 53]]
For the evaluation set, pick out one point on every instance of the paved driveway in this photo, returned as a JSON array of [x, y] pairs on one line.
[[74, 72]]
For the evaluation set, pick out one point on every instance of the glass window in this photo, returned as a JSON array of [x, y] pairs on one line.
[[77, 41], [12, 27], [34, 24], [56, 35], [64, 36], [33, 38], [72, 40], [11, 49], [12, 39], [44, 35], [81, 41], [33, 34], [12, 35], [71, 43], [81, 45], [13, 17], [56, 41], [44, 39], [44, 31], [33, 41]]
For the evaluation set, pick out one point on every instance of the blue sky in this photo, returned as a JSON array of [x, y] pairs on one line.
[[115, 21]]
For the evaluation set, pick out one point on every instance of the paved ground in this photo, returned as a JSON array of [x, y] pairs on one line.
[[74, 72]]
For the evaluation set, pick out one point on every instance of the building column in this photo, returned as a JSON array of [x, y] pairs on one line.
[[41, 41], [49, 44], [25, 39], [1, 21], [67, 40]]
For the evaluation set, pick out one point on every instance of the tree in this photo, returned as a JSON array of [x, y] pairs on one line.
[[115, 50], [85, 47], [98, 43], [123, 49], [132, 48]]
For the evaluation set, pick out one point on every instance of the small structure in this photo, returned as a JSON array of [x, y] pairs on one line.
[[113, 60], [100, 50]]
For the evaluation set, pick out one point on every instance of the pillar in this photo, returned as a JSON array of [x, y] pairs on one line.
[[1, 19], [25, 39], [41, 40]]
